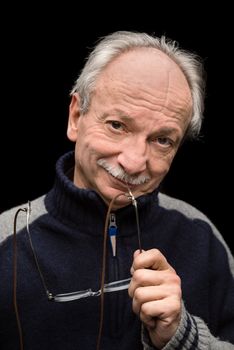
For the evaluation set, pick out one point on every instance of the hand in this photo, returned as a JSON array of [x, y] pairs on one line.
[[156, 292]]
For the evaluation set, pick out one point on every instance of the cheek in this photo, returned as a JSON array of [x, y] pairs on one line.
[[85, 143], [89, 150], [99, 146], [157, 173], [161, 166]]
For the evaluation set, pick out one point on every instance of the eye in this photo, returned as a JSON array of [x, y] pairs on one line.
[[164, 141], [116, 125]]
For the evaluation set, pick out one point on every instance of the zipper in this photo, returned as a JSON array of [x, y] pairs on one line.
[[112, 231], [115, 311]]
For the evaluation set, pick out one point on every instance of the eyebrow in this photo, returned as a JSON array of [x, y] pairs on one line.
[[167, 130], [125, 117]]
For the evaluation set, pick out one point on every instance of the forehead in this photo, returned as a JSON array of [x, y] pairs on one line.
[[145, 78], [146, 66]]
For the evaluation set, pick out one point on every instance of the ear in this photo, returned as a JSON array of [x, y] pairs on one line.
[[73, 119]]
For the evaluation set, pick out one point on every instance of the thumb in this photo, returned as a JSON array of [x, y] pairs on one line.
[[135, 254]]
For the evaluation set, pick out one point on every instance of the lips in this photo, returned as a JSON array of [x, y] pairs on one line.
[[121, 183]]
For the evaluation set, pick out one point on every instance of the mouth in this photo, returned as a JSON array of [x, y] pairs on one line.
[[119, 175], [121, 183]]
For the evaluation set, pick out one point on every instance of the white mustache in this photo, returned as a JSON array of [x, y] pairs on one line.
[[118, 172]]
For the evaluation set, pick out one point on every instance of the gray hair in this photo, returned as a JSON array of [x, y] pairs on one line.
[[119, 42]]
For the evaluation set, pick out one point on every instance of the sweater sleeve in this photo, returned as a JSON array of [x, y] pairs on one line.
[[192, 333]]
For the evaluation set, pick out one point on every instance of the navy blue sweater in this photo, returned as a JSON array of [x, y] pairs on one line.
[[67, 232]]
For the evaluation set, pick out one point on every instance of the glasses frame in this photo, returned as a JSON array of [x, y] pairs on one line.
[[76, 295]]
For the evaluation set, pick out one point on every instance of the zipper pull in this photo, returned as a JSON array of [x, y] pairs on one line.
[[113, 232]]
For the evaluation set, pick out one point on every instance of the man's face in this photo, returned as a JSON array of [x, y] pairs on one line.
[[138, 115]]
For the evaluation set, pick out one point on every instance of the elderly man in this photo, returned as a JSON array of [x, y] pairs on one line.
[[123, 265]]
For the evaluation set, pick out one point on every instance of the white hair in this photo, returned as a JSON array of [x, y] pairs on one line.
[[118, 172], [118, 42]]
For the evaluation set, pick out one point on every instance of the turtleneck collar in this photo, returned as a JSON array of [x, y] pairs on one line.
[[85, 209]]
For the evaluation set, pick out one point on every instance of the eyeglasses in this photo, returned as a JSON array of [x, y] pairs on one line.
[[108, 288], [66, 297]]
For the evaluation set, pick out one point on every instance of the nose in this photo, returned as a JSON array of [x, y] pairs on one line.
[[133, 157]]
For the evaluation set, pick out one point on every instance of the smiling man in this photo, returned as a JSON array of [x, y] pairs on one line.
[[135, 123], [137, 98]]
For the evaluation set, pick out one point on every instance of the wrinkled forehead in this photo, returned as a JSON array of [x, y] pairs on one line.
[[146, 66]]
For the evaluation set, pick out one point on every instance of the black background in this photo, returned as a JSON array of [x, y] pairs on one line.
[[42, 52]]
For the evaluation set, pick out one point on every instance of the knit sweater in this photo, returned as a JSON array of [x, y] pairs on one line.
[[67, 226]]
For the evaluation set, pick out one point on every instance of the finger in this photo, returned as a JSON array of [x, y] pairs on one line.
[[144, 295], [146, 277], [136, 253], [152, 259]]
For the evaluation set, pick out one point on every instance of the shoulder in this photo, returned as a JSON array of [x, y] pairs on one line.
[[187, 210], [7, 217], [192, 213], [181, 206]]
